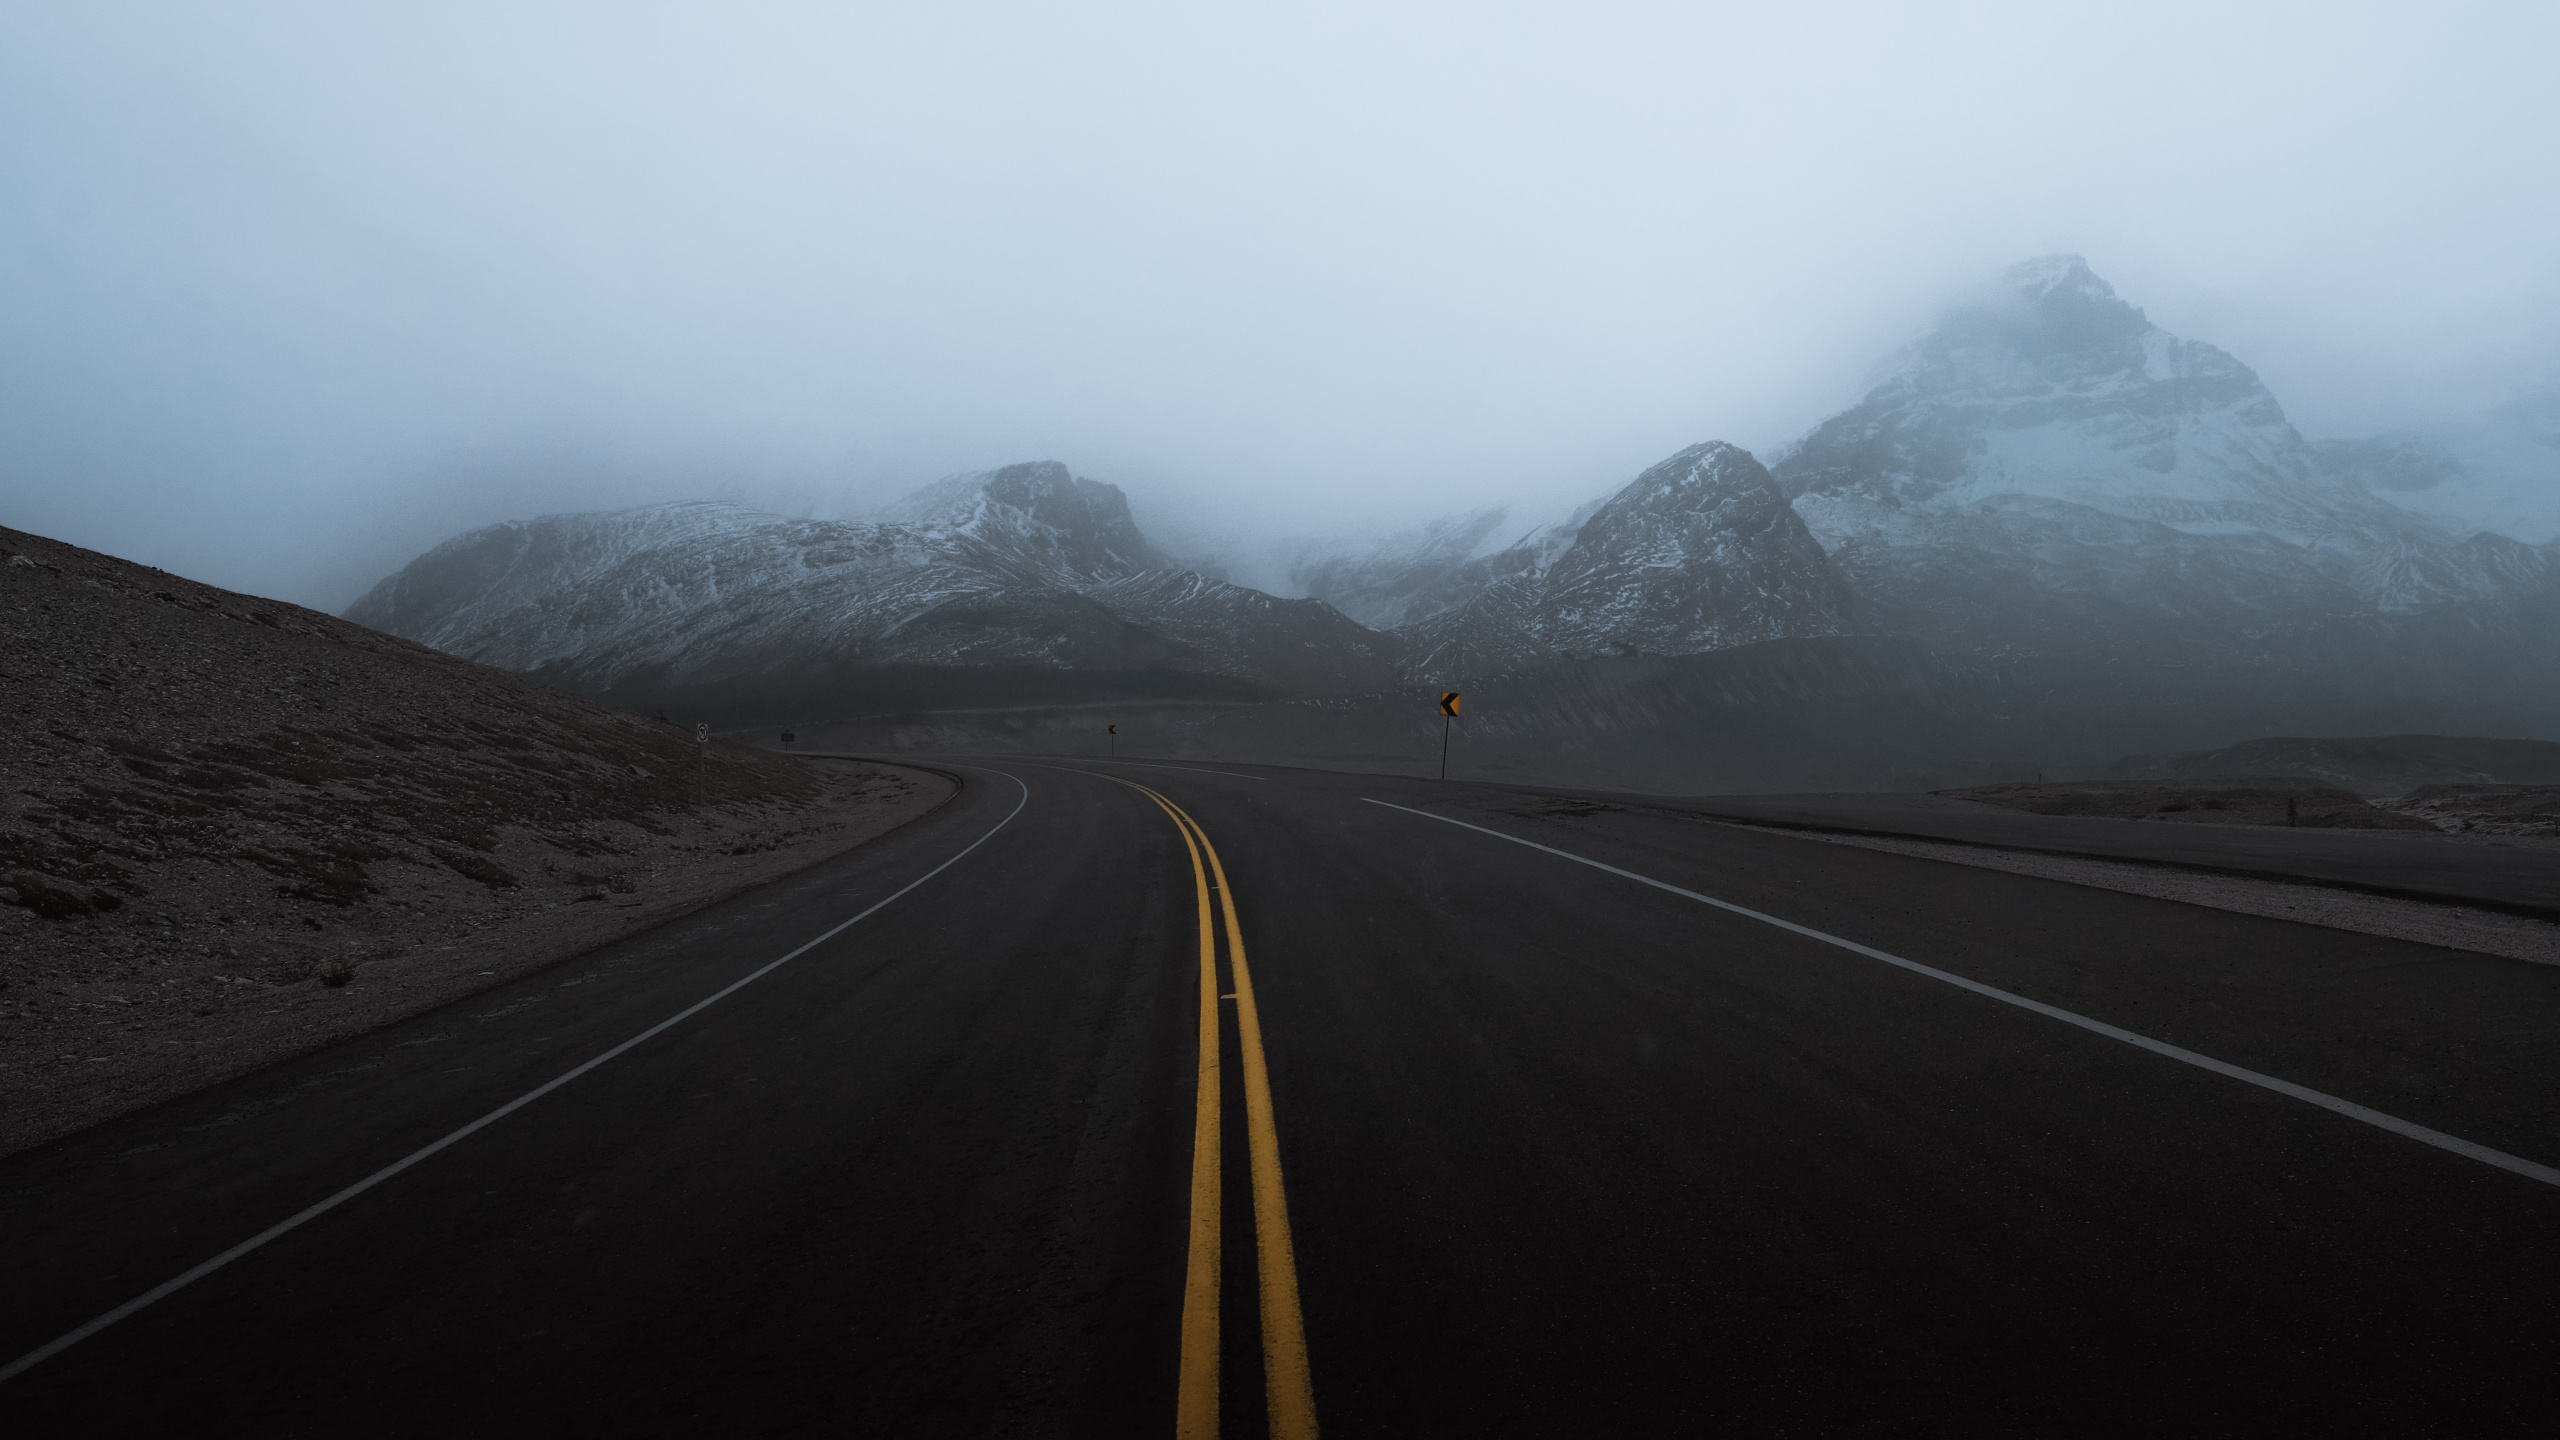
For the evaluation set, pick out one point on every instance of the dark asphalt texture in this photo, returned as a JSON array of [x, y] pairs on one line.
[[1565, 1155]]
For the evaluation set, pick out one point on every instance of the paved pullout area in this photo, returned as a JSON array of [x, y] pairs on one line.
[[1563, 1153]]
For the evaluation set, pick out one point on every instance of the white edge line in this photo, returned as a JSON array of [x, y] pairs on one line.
[[2515, 1164], [162, 1291]]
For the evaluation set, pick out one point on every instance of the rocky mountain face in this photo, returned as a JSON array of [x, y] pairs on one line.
[[1018, 582], [2048, 464], [1699, 553]]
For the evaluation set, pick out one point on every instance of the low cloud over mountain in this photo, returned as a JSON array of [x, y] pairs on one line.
[[2046, 488]]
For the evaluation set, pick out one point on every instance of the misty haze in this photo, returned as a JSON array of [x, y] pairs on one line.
[[1414, 721]]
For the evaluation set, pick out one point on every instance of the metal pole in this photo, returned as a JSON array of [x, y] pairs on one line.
[[1444, 747]]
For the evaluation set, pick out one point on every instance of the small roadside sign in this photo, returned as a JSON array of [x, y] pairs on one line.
[[702, 733], [1115, 729], [1448, 702]]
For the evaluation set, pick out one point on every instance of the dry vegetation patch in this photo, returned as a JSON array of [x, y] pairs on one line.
[[2484, 809], [2232, 800], [232, 829]]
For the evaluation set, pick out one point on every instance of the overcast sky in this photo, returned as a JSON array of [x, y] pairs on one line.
[[290, 292]]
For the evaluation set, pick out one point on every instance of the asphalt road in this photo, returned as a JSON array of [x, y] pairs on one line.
[[1560, 1153]]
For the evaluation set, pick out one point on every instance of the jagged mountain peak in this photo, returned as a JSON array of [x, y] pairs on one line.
[[2050, 311], [2050, 444], [2061, 278], [2056, 389], [1700, 552], [1710, 476]]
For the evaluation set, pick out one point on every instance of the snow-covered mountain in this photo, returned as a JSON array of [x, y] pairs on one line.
[[2048, 463], [2498, 471], [1039, 514], [1023, 570], [1414, 574], [1699, 553], [2086, 523], [1410, 574]]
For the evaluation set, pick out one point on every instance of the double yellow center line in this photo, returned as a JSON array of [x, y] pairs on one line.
[[1288, 1386]]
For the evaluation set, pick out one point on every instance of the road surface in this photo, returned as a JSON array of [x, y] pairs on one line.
[[1648, 1125]]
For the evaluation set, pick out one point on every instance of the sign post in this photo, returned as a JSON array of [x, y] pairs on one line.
[[1448, 713], [1115, 742], [701, 762]]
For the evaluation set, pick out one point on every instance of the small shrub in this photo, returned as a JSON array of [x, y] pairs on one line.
[[336, 974]]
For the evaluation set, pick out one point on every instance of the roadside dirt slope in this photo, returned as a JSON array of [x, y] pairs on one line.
[[233, 829], [2220, 800]]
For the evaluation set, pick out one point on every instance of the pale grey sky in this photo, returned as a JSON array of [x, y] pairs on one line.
[[288, 292]]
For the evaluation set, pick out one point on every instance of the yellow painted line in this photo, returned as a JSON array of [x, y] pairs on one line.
[[1288, 1382], [1195, 1404]]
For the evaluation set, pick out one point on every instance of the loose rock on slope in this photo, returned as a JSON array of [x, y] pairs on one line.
[[234, 829]]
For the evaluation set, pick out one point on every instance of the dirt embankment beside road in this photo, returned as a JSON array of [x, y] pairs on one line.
[[2473, 809], [2220, 800], [232, 830]]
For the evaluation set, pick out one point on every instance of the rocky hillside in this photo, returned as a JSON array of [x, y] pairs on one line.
[[2376, 764], [231, 828]]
